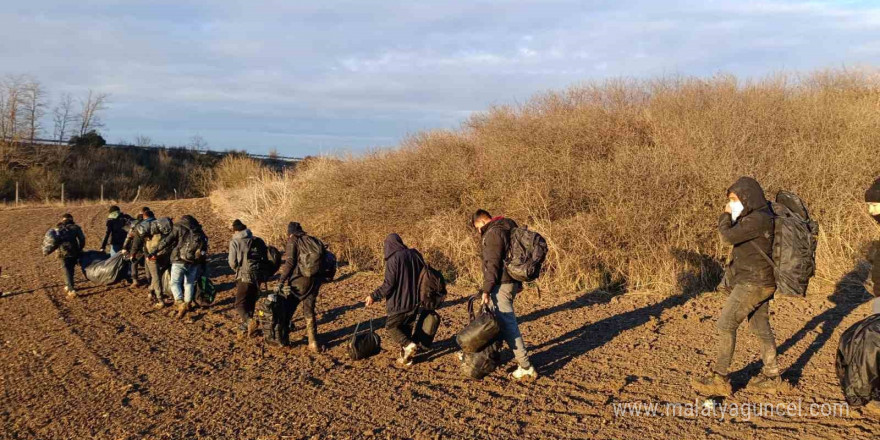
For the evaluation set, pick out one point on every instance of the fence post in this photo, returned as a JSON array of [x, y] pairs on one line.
[[62, 194], [16, 193], [102, 193], [175, 194]]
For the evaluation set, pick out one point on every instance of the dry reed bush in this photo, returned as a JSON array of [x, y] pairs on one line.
[[234, 171], [626, 179]]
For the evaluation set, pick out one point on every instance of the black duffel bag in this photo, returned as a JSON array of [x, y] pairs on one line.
[[482, 329], [482, 363], [364, 345]]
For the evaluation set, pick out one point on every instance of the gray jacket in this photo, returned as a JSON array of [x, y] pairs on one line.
[[238, 248]]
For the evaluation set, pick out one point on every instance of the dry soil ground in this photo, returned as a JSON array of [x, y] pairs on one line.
[[107, 366]]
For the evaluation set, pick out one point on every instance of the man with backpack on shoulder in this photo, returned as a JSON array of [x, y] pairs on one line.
[[189, 252], [135, 254], [149, 233], [299, 282], [748, 224], [72, 243], [117, 225], [400, 289], [246, 253], [499, 287]]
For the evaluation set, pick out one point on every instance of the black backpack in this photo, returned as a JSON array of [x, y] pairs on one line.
[[525, 254], [68, 246], [432, 287], [426, 329], [194, 246], [311, 254], [256, 257], [270, 265], [794, 244], [270, 315], [328, 267]]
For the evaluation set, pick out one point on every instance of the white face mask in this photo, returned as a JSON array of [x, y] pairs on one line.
[[736, 208]]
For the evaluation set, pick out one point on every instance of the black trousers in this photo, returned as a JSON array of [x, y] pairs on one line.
[[399, 327], [245, 299], [68, 264]]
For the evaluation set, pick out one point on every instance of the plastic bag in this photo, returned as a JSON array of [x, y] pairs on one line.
[[100, 268], [50, 241]]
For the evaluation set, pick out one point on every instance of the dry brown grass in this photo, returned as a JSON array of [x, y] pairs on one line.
[[625, 178]]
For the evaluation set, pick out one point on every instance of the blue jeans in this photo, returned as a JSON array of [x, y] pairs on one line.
[[875, 306], [502, 297], [183, 281]]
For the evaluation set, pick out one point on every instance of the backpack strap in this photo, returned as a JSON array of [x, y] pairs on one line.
[[764, 254]]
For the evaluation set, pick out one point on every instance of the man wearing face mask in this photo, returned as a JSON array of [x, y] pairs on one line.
[[872, 198], [747, 219]]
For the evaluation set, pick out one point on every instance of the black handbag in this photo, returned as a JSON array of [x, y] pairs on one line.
[[482, 329], [365, 344]]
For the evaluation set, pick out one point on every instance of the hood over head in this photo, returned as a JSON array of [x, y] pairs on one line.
[[243, 234], [393, 243], [750, 194], [295, 229]]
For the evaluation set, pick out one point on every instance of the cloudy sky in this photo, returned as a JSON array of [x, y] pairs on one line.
[[310, 77]]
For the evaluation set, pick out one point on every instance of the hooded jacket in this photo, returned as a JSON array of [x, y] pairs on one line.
[[495, 242], [872, 195], [403, 267], [238, 249], [300, 285], [755, 224], [180, 232]]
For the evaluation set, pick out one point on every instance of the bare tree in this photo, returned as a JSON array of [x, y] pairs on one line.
[[63, 117], [90, 109], [143, 141], [13, 95], [198, 143], [34, 107]]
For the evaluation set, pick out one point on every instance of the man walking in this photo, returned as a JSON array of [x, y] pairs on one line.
[[500, 288], [747, 224], [117, 225], [245, 253], [400, 290], [295, 288], [72, 243], [189, 252]]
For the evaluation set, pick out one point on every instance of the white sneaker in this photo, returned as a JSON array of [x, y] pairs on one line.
[[523, 373], [409, 352]]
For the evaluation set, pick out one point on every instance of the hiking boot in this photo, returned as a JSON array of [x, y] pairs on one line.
[[252, 326], [763, 382], [713, 384], [871, 409], [182, 308], [312, 334], [407, 354], [524, 373], [242, 332]]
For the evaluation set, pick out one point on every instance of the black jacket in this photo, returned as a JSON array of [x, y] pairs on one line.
[[755, 224], [403, 267], [77, 236], [117, 230], [300, 285], [180, 232], [495, 241]]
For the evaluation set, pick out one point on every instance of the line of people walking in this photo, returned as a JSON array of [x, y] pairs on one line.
[[750, 223]]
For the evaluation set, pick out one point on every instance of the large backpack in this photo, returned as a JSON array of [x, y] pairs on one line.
[[525, 254], [194, 245], [270, 265], [328, 266], [68, 246], [311, 254], [271, 318], [432, 287], [255, 257], [794, 245]]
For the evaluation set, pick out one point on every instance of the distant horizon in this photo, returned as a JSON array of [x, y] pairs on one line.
[[342, 76]]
